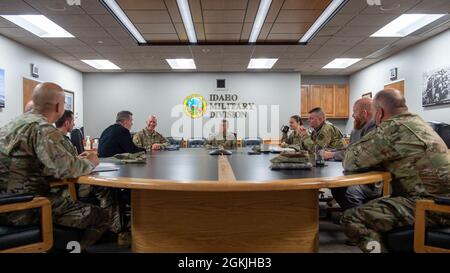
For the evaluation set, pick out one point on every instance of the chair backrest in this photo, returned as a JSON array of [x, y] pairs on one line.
[[443, 130], [76, 137], [252, 141], [175, 140], [196, 143]]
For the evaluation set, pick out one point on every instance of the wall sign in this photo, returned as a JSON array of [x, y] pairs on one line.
[[394, 74], [34, 71]]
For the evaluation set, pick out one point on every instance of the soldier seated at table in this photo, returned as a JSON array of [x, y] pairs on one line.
[[148, 138], [418, 159], [33, 153], [353, 196], [324, 135], [294, 138], [223, 138]]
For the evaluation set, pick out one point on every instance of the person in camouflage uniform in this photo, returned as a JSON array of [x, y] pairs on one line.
[[404, 145], [104, 195], [224, 138], [33, 153], [356, 195], [148, 138], [325, 135], [294, 137]]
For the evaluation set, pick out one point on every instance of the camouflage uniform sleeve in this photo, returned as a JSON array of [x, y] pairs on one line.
[[59, 162], [284, 138], [137, 140], [308, 142], [370, 151], [163, 141], [324, 138]]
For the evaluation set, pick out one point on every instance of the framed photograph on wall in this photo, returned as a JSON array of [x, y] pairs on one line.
[[69, 102], [367, 95], [2, 88], [436, 87]]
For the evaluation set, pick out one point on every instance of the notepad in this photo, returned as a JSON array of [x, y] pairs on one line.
[[105, 167]]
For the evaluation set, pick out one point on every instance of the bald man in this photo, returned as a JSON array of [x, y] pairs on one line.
[[363, 123], [407, 147], [29, 106], [148, 138], [32, 154]]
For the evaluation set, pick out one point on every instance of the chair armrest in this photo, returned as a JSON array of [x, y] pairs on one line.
[[46, 223], [70, 183], [17, 198], [420, 224]]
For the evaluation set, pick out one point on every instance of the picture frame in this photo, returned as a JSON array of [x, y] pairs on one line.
[[367, 95], [436, 87], [69, 102]]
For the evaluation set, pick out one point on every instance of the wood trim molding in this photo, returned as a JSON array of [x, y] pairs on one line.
[[238, 185], [226, 173]]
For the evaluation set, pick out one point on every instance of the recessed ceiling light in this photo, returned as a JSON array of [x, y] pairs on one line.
[[123, 18], [341, 63], [181, 63], [39, 25], [261, 63], [263, 9], [326, 16], [101, 64], [406, 24], [185, 12]]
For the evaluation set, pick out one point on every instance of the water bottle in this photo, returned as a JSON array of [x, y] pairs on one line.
[[87, 145], [95, 144], [320, 162]]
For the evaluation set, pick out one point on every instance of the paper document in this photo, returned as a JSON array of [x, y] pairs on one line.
[[105, 167]]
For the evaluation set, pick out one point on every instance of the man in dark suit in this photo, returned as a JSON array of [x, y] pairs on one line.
[[116, 139]]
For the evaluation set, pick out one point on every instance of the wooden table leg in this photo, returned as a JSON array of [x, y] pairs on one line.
[[186, 221]]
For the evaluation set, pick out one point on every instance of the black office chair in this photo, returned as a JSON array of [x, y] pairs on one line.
[[418, 238], [196, 143], [76, 137], [443, 130], [177, 141], [40, 237], [251, 141]]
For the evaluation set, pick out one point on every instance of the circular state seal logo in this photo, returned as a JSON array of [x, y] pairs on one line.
[[194, 106]]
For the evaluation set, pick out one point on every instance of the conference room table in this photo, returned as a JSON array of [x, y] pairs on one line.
[[190, 201]]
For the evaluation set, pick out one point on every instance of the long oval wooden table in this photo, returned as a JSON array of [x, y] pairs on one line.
[[190, 201]]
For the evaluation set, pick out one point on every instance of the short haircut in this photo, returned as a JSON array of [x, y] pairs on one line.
[[298, 119], [319, 111], [66, 116], [224, 121], [123, 116], [390, 100]]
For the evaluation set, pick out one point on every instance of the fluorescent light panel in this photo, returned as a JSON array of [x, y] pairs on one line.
[[181, 63], [183, 7], [341, 63], [39, 25], [323, 19], [123, 18], [263, 9], [406, 24], [261, 63], [101, 64]]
